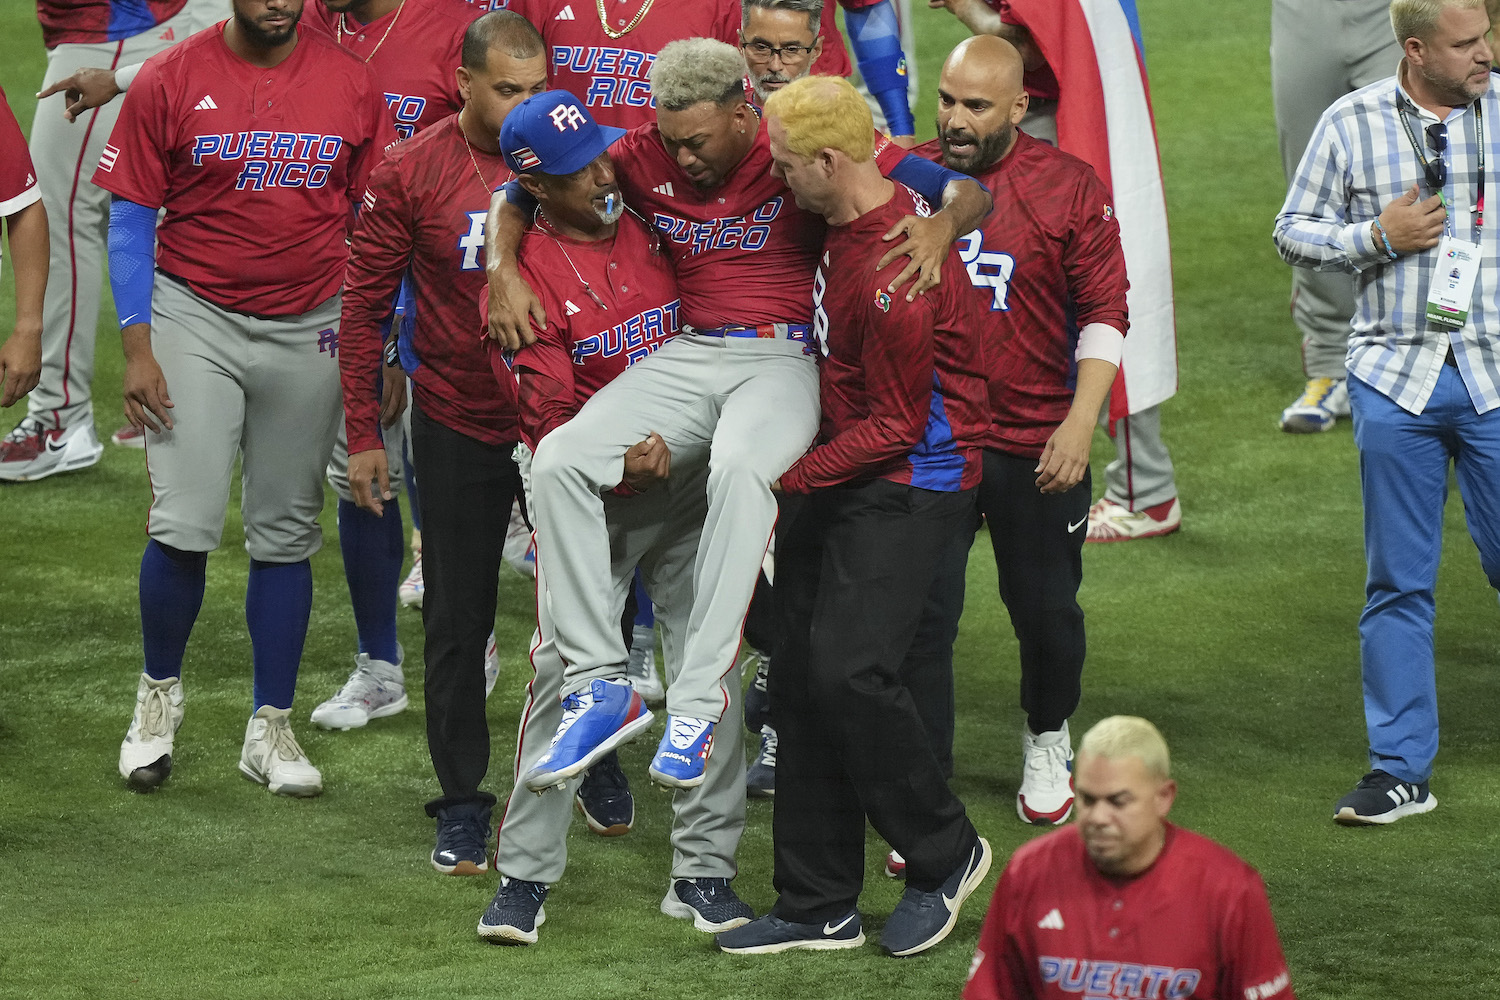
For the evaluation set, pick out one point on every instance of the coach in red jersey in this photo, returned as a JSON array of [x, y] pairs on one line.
[[1123, 903], [256, 141], [891, 481], [25, 220], [424, 211], [1049, 274]]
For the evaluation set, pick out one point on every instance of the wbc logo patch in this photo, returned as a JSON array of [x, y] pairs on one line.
[[527, 159], [883, 301]]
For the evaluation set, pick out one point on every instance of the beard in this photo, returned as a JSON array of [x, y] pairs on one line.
[[1455, 91], [268, 38], [976, 152], [758, 84], [615, 208]]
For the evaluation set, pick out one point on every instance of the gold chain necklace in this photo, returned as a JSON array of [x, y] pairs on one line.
[[611, 32], [345, 29], [470, 148]]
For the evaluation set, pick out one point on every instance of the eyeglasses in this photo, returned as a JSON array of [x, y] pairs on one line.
[[1437, 168], [787, 53]]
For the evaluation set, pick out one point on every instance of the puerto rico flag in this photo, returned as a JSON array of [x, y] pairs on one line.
[[1104, 117]]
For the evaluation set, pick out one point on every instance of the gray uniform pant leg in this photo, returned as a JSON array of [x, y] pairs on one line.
[[1141, 474], [1306, 77], [65, 155], [241, 386], [394, 438]]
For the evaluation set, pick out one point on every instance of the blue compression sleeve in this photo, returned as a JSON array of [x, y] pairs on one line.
[[875, 40], [927, 178], [132, 259]]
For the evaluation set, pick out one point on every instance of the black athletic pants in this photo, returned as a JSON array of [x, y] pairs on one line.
[[853, 566], [467, 491]]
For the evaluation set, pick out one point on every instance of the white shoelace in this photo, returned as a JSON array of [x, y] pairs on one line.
[[156, 714]]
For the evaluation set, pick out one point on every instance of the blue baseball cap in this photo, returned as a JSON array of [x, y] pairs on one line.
[[552, 133]]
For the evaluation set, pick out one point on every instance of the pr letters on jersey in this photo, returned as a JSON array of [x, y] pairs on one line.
[[1096, 980], [987, 268], [619, 75], [638, 336], [272, 159], [746, 233]]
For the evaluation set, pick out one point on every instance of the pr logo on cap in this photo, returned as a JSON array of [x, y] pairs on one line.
[[566, 116]]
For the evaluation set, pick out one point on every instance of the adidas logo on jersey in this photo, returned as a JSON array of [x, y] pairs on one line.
[[167, 36], [1052, 921], [207, 104], [30, 180], [566, 14], [665, 189], [570, 308]]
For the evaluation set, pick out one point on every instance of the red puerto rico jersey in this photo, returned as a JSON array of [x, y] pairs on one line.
[[744, 252], [611, 75], [414, 51], [1040, 82], [257, 168], [425, 210], [18, 187], [1044, 264], [901, 383], [585, 345], [94, 21], [1196, 924]]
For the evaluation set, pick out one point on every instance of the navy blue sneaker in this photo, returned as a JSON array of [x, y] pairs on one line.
[[604, 798], [683, 752], [462, 833], [515, 913], [709, 902], [1381, 797], [770, 934], [757, 698], [922, 919], [760, 779], [594, 722]]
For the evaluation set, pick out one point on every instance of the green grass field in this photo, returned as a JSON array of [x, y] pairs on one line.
[[1237, 636]]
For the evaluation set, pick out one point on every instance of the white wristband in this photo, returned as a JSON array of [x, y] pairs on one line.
[[1100, 341], [125, 75]]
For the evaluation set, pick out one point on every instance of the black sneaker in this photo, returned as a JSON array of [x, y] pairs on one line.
[[771, 934], [760, 780], [757, 700], [462, 833], [1381, 797], [709, 902], [515, 913], [922, 919], [604, 798]]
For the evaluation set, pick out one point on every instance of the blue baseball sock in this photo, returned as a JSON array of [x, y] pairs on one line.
[[278, 603], [171, 591], [645, 614], [373, 549]]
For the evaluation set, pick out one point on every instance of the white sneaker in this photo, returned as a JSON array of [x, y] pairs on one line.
[[146, 754], [1112, 522], [129, 436], [491, 665], [641, 667], [1046, 795], [1322, 402], [519, 552], [272, 757], [32, 451], [410, 591], [374, 690]]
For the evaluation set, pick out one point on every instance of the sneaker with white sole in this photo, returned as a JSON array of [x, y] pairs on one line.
[[374, 690], [770, 934], [760, 778], [491, 665], [146, 754], [129, 436], [272, 757], [683, 752], [1322, 402], [604, 799], [1046, 795], [641, 667], [515, 913], [710, 903], [1380, 798], [594, 722], [922, 919], [33, 451], [463, 833], [410, 591], [1112, 522], [519, 551]]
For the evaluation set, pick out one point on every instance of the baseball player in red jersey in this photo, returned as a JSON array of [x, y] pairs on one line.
[[26, 229], [1049, 272], [611, 300], [602, 50], [739, 392], [257, 141], [891, 480], [1123, 903], [424, 212]]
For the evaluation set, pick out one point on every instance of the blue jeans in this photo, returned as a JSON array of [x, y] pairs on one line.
[[1403, 470]]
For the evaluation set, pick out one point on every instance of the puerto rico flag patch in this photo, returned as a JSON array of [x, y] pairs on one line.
[[526, 159]]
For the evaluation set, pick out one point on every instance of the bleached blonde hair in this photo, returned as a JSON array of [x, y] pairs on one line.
[[1418, 18], [1129, 736], [824, 112], [693, 70]]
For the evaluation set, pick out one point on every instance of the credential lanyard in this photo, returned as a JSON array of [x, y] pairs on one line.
[[1478, 139]]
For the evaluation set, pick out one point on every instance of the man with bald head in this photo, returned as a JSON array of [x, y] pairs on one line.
[[1048, 270]]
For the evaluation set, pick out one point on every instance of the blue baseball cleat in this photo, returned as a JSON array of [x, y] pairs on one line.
[[594, 722], [683, 752]]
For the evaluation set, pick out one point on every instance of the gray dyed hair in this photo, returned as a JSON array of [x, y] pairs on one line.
[[694, 70], [812, 8]]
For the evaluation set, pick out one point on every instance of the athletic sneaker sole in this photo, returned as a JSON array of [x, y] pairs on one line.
[[384, 711], [549, 779], [807, 944], [965, 890], [462, 868], [612, 830], [507, 934], [674, 907], [296, 791], [149, 777], [1348, 817]]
